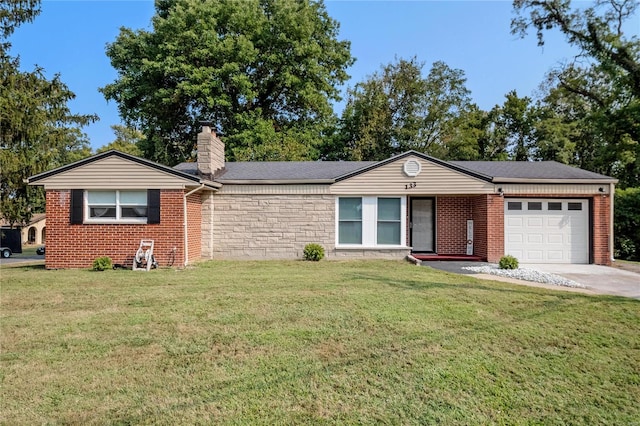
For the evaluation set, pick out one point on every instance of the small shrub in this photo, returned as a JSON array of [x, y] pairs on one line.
[[508, 262], [102, 263], [313, 252]]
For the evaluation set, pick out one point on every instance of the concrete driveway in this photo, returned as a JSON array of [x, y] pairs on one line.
[[599, 279]]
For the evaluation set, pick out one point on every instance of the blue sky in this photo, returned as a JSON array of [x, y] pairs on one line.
[[69, 38]]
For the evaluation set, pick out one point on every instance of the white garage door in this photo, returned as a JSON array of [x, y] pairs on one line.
[[547, 230]]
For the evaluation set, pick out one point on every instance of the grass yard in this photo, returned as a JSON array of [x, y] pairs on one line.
[[311, 343]]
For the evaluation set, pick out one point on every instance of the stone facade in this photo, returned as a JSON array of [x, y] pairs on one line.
[[271, 226], [275, 227]]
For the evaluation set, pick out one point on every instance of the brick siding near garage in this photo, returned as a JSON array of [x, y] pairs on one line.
[[452, 214], [495, 226], [601, 230], [271, 226], [76, 246], [480, 230], [487, 213]]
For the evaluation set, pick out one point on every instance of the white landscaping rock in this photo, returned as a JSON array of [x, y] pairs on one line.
[[526, 274]]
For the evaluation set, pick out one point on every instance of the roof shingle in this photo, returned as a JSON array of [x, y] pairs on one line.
[[331, 170]]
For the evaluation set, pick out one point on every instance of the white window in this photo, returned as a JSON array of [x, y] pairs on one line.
[[116, 206], [370, 222], [389, 221], [350, 220]]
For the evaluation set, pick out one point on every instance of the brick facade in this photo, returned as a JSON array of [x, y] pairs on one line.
[[194, 226], [494, 226], [602, 251], [487, 213], [76, 246], [452, 214]]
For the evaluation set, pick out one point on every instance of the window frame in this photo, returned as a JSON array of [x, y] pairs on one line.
[[370, 222], [394, 221], [349, 220], [119, 205]]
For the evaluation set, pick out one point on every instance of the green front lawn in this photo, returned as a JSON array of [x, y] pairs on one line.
[[298, 342]]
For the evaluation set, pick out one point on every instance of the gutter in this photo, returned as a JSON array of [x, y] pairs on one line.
[[557, 181], [184, 206]]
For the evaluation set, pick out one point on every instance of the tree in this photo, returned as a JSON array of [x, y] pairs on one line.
[[627, 223], [515, 123], [127, 140], [14, 13], [599, 90], [37, 129], [597, 31], [259, 69], [397, 110]]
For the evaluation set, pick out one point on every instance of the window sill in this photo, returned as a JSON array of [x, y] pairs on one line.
[[381, 247], [115, 222]]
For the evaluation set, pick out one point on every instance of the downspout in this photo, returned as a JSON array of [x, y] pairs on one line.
[[612, 191], [184, 206]]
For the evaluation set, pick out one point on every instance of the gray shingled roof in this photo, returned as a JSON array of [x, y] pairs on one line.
[[527, 170], [330, 170], [283, 170]]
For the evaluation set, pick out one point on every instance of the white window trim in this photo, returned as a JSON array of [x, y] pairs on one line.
[[370, 223], [118, 219]]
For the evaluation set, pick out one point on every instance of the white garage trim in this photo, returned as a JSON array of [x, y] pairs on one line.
[[547, 230]]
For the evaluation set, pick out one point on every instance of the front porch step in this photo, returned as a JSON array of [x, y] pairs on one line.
[[447, 257]]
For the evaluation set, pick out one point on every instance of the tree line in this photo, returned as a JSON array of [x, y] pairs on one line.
[[267, 73]]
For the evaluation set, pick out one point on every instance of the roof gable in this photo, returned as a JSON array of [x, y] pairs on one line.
[[388, 177], [114, 169], [419, 155]]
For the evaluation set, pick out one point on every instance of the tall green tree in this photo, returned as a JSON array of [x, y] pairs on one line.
[[600, 95], [260, 70], [598, 31], [37, 129], [13, 13], [515, 123], [397, 109], [127, 140]]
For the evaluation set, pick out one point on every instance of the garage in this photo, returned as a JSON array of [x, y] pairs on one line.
[[547, 230]]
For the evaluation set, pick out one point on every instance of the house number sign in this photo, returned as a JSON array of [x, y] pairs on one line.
[[410, 185]]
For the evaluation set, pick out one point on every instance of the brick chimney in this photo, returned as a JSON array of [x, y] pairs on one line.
[[210, 151]]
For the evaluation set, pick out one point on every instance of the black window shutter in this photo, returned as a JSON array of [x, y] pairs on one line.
[[76, 208], [153, 206]]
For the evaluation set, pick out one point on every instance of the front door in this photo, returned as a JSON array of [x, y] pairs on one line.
[[422, 225]]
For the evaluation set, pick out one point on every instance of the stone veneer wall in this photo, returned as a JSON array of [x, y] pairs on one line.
[[271, 226], [274, 227]]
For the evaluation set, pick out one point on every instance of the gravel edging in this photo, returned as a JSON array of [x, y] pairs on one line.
[[526, 274]]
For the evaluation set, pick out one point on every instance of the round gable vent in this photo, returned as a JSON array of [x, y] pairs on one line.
[[412, 168]]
